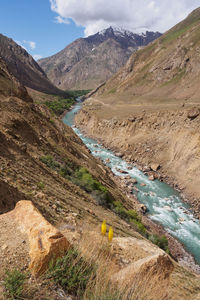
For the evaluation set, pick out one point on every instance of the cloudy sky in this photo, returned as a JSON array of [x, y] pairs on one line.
[[44, 27]]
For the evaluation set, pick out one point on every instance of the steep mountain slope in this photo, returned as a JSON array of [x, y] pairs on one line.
[[167, 68], [24, 67], [39, 156], [87, 62], [150, 110]]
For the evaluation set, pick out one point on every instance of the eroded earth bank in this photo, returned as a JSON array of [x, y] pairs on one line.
[[165, 136]]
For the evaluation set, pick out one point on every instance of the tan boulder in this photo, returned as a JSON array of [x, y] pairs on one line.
[[147, 272], [155, 167], [45, 241], [152, 177], [147, 276], [136, 266]]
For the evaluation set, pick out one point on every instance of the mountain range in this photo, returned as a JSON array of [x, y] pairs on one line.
[[87, 62]]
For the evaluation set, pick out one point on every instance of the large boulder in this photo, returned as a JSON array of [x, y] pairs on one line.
[[45, 241], [155, 167], [136, 266], [146, 270]]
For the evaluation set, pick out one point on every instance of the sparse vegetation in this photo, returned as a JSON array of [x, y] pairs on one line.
[[160, 241], [50, 162], [81, 177], [41, 185], [133, 218], [130, 216], [72, 272], [14, 283], [112, 91], [86, 181], [60, 105], [178, 31], [78, 93]]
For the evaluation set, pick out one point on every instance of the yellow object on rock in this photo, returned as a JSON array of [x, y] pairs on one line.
[[103, 227], [110, 234]]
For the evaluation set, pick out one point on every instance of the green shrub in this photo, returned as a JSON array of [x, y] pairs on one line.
[[50, 162], [130, 216], [41, 185], [78, 93], [85, 180], [72, 272], [131, 213], [60, 105], [160, 241], [140, 228], [14, 282]]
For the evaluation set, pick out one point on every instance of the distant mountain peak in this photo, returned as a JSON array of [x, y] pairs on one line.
[[87, 62], [116, 31], [123, 32]]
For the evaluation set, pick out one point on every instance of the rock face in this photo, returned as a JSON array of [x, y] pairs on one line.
[[24, 67], [87, 62], [45, 241]]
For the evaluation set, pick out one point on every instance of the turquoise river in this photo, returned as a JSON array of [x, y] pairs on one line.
[[164, 203]]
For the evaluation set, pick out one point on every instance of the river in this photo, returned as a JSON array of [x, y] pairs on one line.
[[163, 202]]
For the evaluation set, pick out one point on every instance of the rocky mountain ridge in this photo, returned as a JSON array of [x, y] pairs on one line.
[[24, 67], [89, 61]]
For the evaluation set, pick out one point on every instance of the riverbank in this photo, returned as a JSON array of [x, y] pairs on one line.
[[177, 249], [166, 137]]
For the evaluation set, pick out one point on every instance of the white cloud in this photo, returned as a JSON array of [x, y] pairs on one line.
[[31, 44], [60, 20], [37, 56], [135, 15]]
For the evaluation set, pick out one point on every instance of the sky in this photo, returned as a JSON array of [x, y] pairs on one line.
[[44, 27]]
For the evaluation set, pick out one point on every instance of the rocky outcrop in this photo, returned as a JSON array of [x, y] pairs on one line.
[[45, 241]]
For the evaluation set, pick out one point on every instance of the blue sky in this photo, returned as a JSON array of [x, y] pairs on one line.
[[45, 27], [33, 20]]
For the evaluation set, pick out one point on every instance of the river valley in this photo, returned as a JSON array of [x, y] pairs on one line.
[[163, 203]]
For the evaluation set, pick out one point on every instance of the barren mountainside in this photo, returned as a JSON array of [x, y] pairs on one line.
[[87, 62], [24, 67], [166, 69]]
